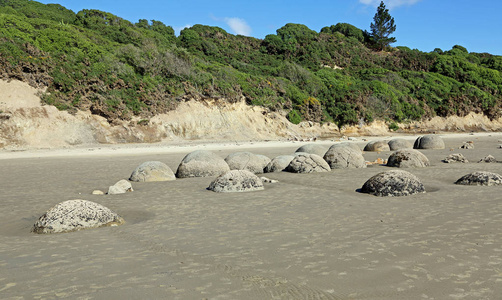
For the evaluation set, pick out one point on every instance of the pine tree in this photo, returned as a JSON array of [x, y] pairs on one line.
[[382, 27]]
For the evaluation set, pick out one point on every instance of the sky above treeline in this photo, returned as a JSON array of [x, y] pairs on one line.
[[421, 24]]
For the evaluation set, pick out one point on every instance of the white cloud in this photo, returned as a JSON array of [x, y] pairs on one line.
[[389, 3], [179, 29], [239, 26]]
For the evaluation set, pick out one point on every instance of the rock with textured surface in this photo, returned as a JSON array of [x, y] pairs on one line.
[[341, 157], [347, 144], [73, 215], [308, 163], [279, 163], [398, 144], [393, 183], [201, 163], [429, 141], [377, 146], [246, 161], [467, 145], [455, 157], [480, 178], [316, 149], [488, 159], [121, 187], [152, 171], [408, 158], [236, 181]]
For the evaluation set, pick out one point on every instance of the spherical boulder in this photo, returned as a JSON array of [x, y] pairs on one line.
[[73, 215], [246, 161], [377, 146], [393, 183], [398, 144], [316, 149], [347, 144], [279, 163], [480, 178], [265, 160], [408, 158], [201, 163], [236, 181], [341, 157], [307, 163], [429, 141], [152, 171]]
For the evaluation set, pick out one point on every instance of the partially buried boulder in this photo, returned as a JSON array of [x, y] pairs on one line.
[[236, 181], [308, 163], [454, 158], [347, 144], [393, 183], [279, 163], [341, 157], [313, 149], [152, 171], [377, 146], [73, 215], [398, 144], [246, 161], [429, 141], [488, 159], [201, 163], [121, 187], [408, 158], [480, 178]]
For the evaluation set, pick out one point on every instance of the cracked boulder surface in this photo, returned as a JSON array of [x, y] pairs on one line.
[[480, 178], [236, 181], [408, 158], [393, 183], [342, 157], [73, 215], [308, 163]]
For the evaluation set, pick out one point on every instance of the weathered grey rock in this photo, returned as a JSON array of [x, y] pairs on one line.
[[467, 145], [480, 178], [341, 157], [377, 146], [75, 215], [316, 149], [429, 141], [279, 163], [201, 163], [308, 163], [236, 181], [152, 171], [265, 160], [245, 161], [347, 144], [455, 157], [408, 158], [398, 144], [393, 183], [488, 159], [121, 187]]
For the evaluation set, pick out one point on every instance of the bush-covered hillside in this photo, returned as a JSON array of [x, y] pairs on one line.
[[98, 61]]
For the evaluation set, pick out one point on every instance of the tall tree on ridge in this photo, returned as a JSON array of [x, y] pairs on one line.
[[381, 27]]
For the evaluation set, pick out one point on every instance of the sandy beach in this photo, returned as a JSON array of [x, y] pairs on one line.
[[310, 236]]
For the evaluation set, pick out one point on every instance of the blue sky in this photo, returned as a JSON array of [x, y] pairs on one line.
[[421, 24]]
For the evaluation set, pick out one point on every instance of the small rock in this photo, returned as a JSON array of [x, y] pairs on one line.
[[268, 180], [488, 159], [98, 192], [121, 187], [456, 157], [467, 145]]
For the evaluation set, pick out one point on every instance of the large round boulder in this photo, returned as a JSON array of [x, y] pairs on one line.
[[377, 146], [480, 178], [152, 171], [246, 161], [201, 163], [347, 144], [408, 158], [279, 163], [265, 160], [341, 157], [236, 181], [73, 215], [307, 163], [393, 183], [316, 149], [429, 141], [398, 144]]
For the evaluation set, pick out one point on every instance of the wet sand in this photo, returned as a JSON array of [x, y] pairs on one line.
[[310, 236]]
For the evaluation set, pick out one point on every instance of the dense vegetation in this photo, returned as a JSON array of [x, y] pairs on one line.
[[98, 61]]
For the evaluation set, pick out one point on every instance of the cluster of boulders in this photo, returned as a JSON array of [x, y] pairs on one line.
[[237, 173]]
